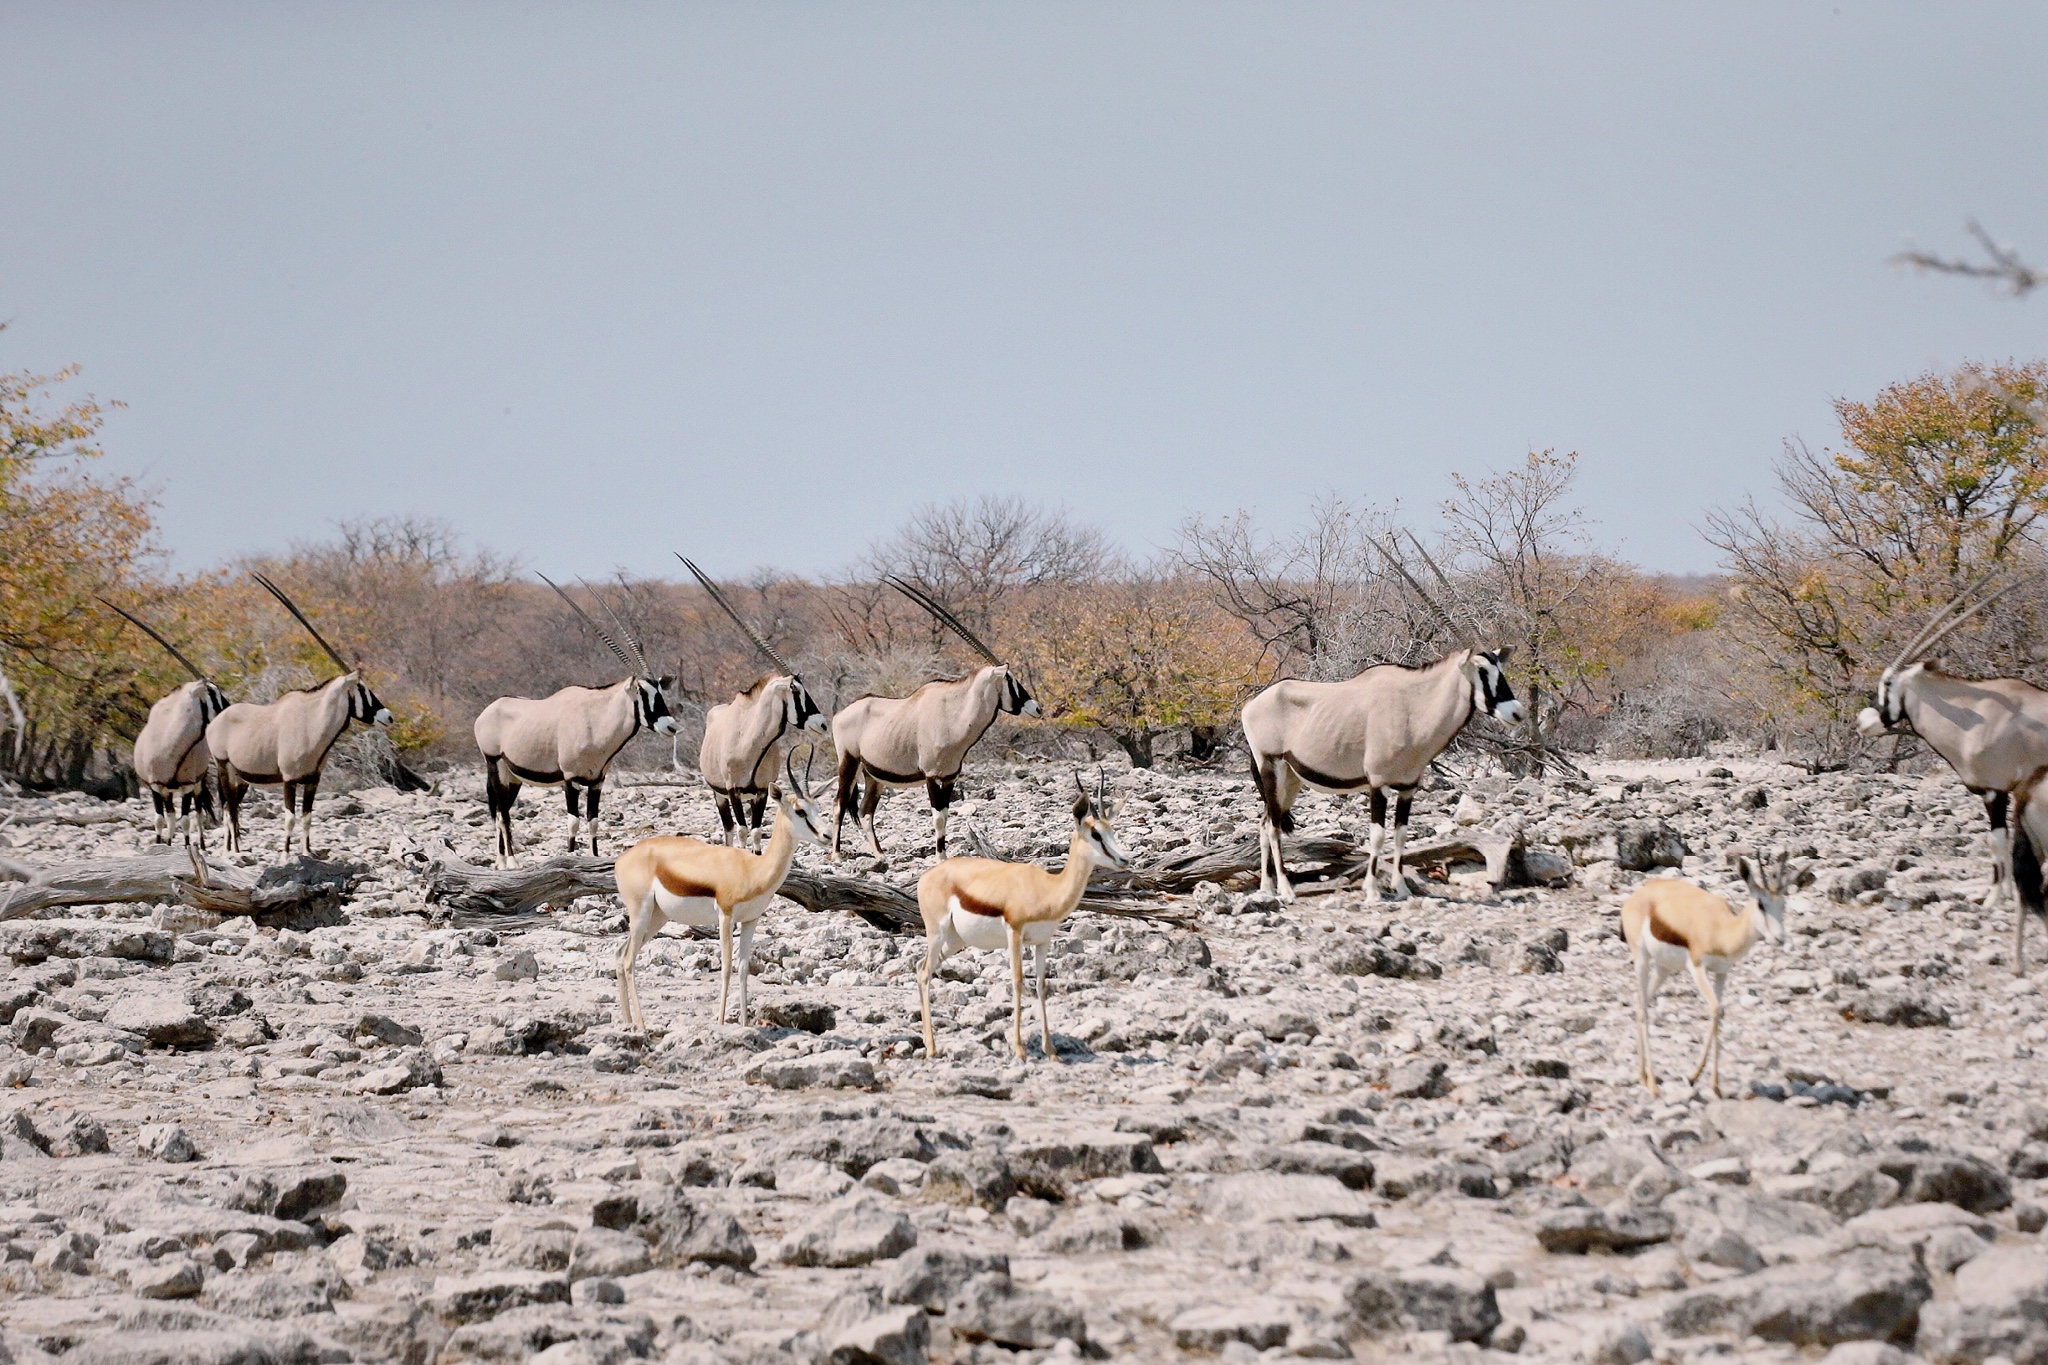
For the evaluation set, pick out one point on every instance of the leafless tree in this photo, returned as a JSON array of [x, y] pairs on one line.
[[2002, 264], [972, 553], [1318, 601]]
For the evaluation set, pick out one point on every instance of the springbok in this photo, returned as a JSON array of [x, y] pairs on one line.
[[1671, 924], [922, 738], [674, 879], [171, 757], [568, 740], [986, 904], [743, 737], [1993, 732], [284, 743]]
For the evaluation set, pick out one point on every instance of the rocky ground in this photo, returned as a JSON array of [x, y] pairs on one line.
[[1337, 1129]]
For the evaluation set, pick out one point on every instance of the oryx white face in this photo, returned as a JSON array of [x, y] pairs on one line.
[[1890, 710], [803, 712], [364, 706], [650, 706], [1490, 690], [1016, 700]]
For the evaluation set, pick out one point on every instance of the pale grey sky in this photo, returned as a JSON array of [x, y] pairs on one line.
[[751, 280]]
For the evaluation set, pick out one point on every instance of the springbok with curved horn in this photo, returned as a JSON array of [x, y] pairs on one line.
[[743, 737], [922, 738], [1377, 731], [1671, 925], [569, 739], [675, 879], [1993, 732], [983, 903], [284, 743], [171, 757]]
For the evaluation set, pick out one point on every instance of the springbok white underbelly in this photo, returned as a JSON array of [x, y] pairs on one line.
[[702, 911], [1669, 958], [989, 931]]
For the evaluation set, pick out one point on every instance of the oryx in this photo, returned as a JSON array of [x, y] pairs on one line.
[[1993, 732], [285, 742], [1378, 731], [922, 738], [569, 739], [171, 757], [743, 737]]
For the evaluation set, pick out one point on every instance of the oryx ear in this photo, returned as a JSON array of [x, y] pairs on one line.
[[1504, 653], [774, 791]]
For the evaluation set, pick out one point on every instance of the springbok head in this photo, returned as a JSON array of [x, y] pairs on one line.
[[1092, 814], [795, 801], [1771, 883]]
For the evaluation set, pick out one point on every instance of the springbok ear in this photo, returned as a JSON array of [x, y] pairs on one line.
[[1081, 808], [1749, 871]]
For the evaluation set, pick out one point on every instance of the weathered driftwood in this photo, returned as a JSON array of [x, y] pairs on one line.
[[305, 885], [1325, 857], [515, 891]]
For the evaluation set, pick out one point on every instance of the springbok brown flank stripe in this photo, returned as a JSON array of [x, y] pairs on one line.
[[977, 907], [677, 886], [1664, 933]]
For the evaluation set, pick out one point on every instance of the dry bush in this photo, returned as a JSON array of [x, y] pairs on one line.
[[1939, 480]]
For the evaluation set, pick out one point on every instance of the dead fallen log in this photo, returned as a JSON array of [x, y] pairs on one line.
[[516, 890], [305, 886], [520, 890], [1326, 857]]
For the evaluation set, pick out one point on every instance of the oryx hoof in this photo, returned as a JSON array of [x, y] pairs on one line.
[[1397, 890]]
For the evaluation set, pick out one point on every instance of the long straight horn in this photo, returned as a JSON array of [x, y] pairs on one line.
[[944, 618], [596, 629], [737, 619], [143, 626], [1427, 601], [1938, 624], [292, 607], [632, 641], [1477, 632], [1951, 627]]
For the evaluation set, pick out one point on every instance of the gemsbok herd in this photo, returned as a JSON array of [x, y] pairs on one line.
[[1377, 733]]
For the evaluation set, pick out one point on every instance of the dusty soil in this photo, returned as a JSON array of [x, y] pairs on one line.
[[1337, 1128]]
